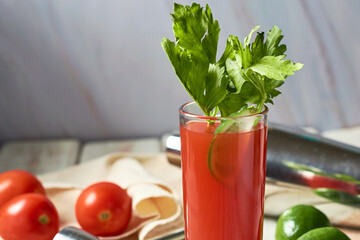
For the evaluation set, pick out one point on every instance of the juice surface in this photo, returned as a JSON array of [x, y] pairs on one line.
[[223, 196]]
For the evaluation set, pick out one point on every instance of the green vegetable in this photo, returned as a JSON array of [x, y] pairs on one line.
[[338, 196], [245, 77], [193, 56]]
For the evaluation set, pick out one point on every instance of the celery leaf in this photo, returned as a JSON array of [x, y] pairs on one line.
[[193, 55], [272, 42], [247, 75], [275, 67]]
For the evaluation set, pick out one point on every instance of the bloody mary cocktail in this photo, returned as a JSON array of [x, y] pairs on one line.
[[224, 131], [223, 177]]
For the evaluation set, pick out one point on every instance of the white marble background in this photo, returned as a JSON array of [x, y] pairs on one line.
[[94, 69]]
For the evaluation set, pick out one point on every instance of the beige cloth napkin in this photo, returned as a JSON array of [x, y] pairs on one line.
[[153, 184]]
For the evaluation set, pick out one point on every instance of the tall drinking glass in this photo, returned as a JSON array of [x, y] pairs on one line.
[[223, 174]]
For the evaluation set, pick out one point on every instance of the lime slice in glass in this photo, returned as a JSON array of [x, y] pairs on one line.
[[226, 155]]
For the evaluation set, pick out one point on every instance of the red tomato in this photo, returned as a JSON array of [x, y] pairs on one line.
[[103, 209], [16, 182], [29, 216]]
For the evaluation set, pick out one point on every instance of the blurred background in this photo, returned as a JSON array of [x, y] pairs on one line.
[[95, 69]]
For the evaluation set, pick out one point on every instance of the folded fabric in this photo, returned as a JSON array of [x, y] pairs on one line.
[[153, 184]]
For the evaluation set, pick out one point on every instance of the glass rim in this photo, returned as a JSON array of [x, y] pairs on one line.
[[193, 115]]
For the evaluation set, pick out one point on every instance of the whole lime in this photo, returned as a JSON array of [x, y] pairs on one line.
[[324, 233], [298, 220]]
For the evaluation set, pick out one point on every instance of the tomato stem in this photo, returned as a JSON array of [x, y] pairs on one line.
[[105, 215], [44, 219]]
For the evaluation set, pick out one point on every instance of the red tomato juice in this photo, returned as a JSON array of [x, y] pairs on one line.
[[223, 196]]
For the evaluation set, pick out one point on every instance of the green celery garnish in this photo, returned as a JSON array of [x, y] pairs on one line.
[[193, 56], [246, 75]]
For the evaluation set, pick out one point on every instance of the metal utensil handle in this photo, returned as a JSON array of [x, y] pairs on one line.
[[72, 233]]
